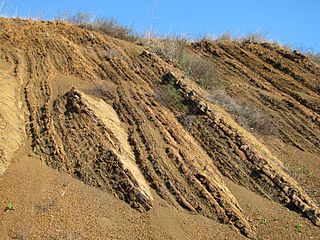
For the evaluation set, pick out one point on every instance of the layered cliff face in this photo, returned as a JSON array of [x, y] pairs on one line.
[[89, 106]]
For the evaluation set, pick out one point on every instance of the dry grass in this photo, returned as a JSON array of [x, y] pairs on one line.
[[171, 48], [107, 26], [249, 117], [200, 69], [227, 37], [176, 50], [255, 37], [313, 56], [106, 90]]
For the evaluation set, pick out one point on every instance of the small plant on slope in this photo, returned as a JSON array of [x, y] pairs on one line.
[[10, 207], [298, 227]]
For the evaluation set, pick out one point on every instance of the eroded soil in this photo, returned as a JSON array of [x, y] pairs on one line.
[[87, 150]]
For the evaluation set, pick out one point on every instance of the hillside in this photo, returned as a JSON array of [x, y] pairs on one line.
[[107, 139]]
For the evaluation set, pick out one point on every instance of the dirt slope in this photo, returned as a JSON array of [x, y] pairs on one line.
[[284, 87], [87, 106]]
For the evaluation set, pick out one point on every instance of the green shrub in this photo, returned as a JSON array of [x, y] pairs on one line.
[[298, 227], [169, 96], [10, 207]]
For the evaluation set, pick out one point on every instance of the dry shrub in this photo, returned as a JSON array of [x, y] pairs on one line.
[[175, 49], [224, 38], [255, 37], [80, 19], [247, 116], [200, 69], [107, 26], [314, 57], [106, 90], [112, 28], [171, 49], [187, 121]]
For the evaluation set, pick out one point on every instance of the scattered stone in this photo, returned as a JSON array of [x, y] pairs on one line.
[[91, 37]]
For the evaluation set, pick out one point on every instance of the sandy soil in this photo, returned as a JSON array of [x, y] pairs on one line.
[[87, 150]]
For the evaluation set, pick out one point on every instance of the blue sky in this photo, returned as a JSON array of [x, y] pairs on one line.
[[292, 22]]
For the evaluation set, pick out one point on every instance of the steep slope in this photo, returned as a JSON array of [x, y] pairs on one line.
[[11, 126], [279, 87], [128, 143]]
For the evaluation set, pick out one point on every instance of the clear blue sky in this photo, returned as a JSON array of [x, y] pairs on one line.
[[292, 22]]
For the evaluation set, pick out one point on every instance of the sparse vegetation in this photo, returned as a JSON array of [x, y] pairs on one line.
[[45, 206], [299, 169], [304, 169], [195, 66], [124, 154], [111, 27], [187, 121], [264, 221], [248, 116], [10, 207], [314, 56], [298, 227], [255, 37], [169, 96], [171, 49], [200, 69], [224, 38], [310, 53], [106, 90]]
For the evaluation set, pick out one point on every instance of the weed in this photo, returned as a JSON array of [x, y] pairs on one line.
[[169, 96], [298, 227], [45, 206], [81, 19], [299, 169], [264, 221], [10, 207], [112, 28]]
